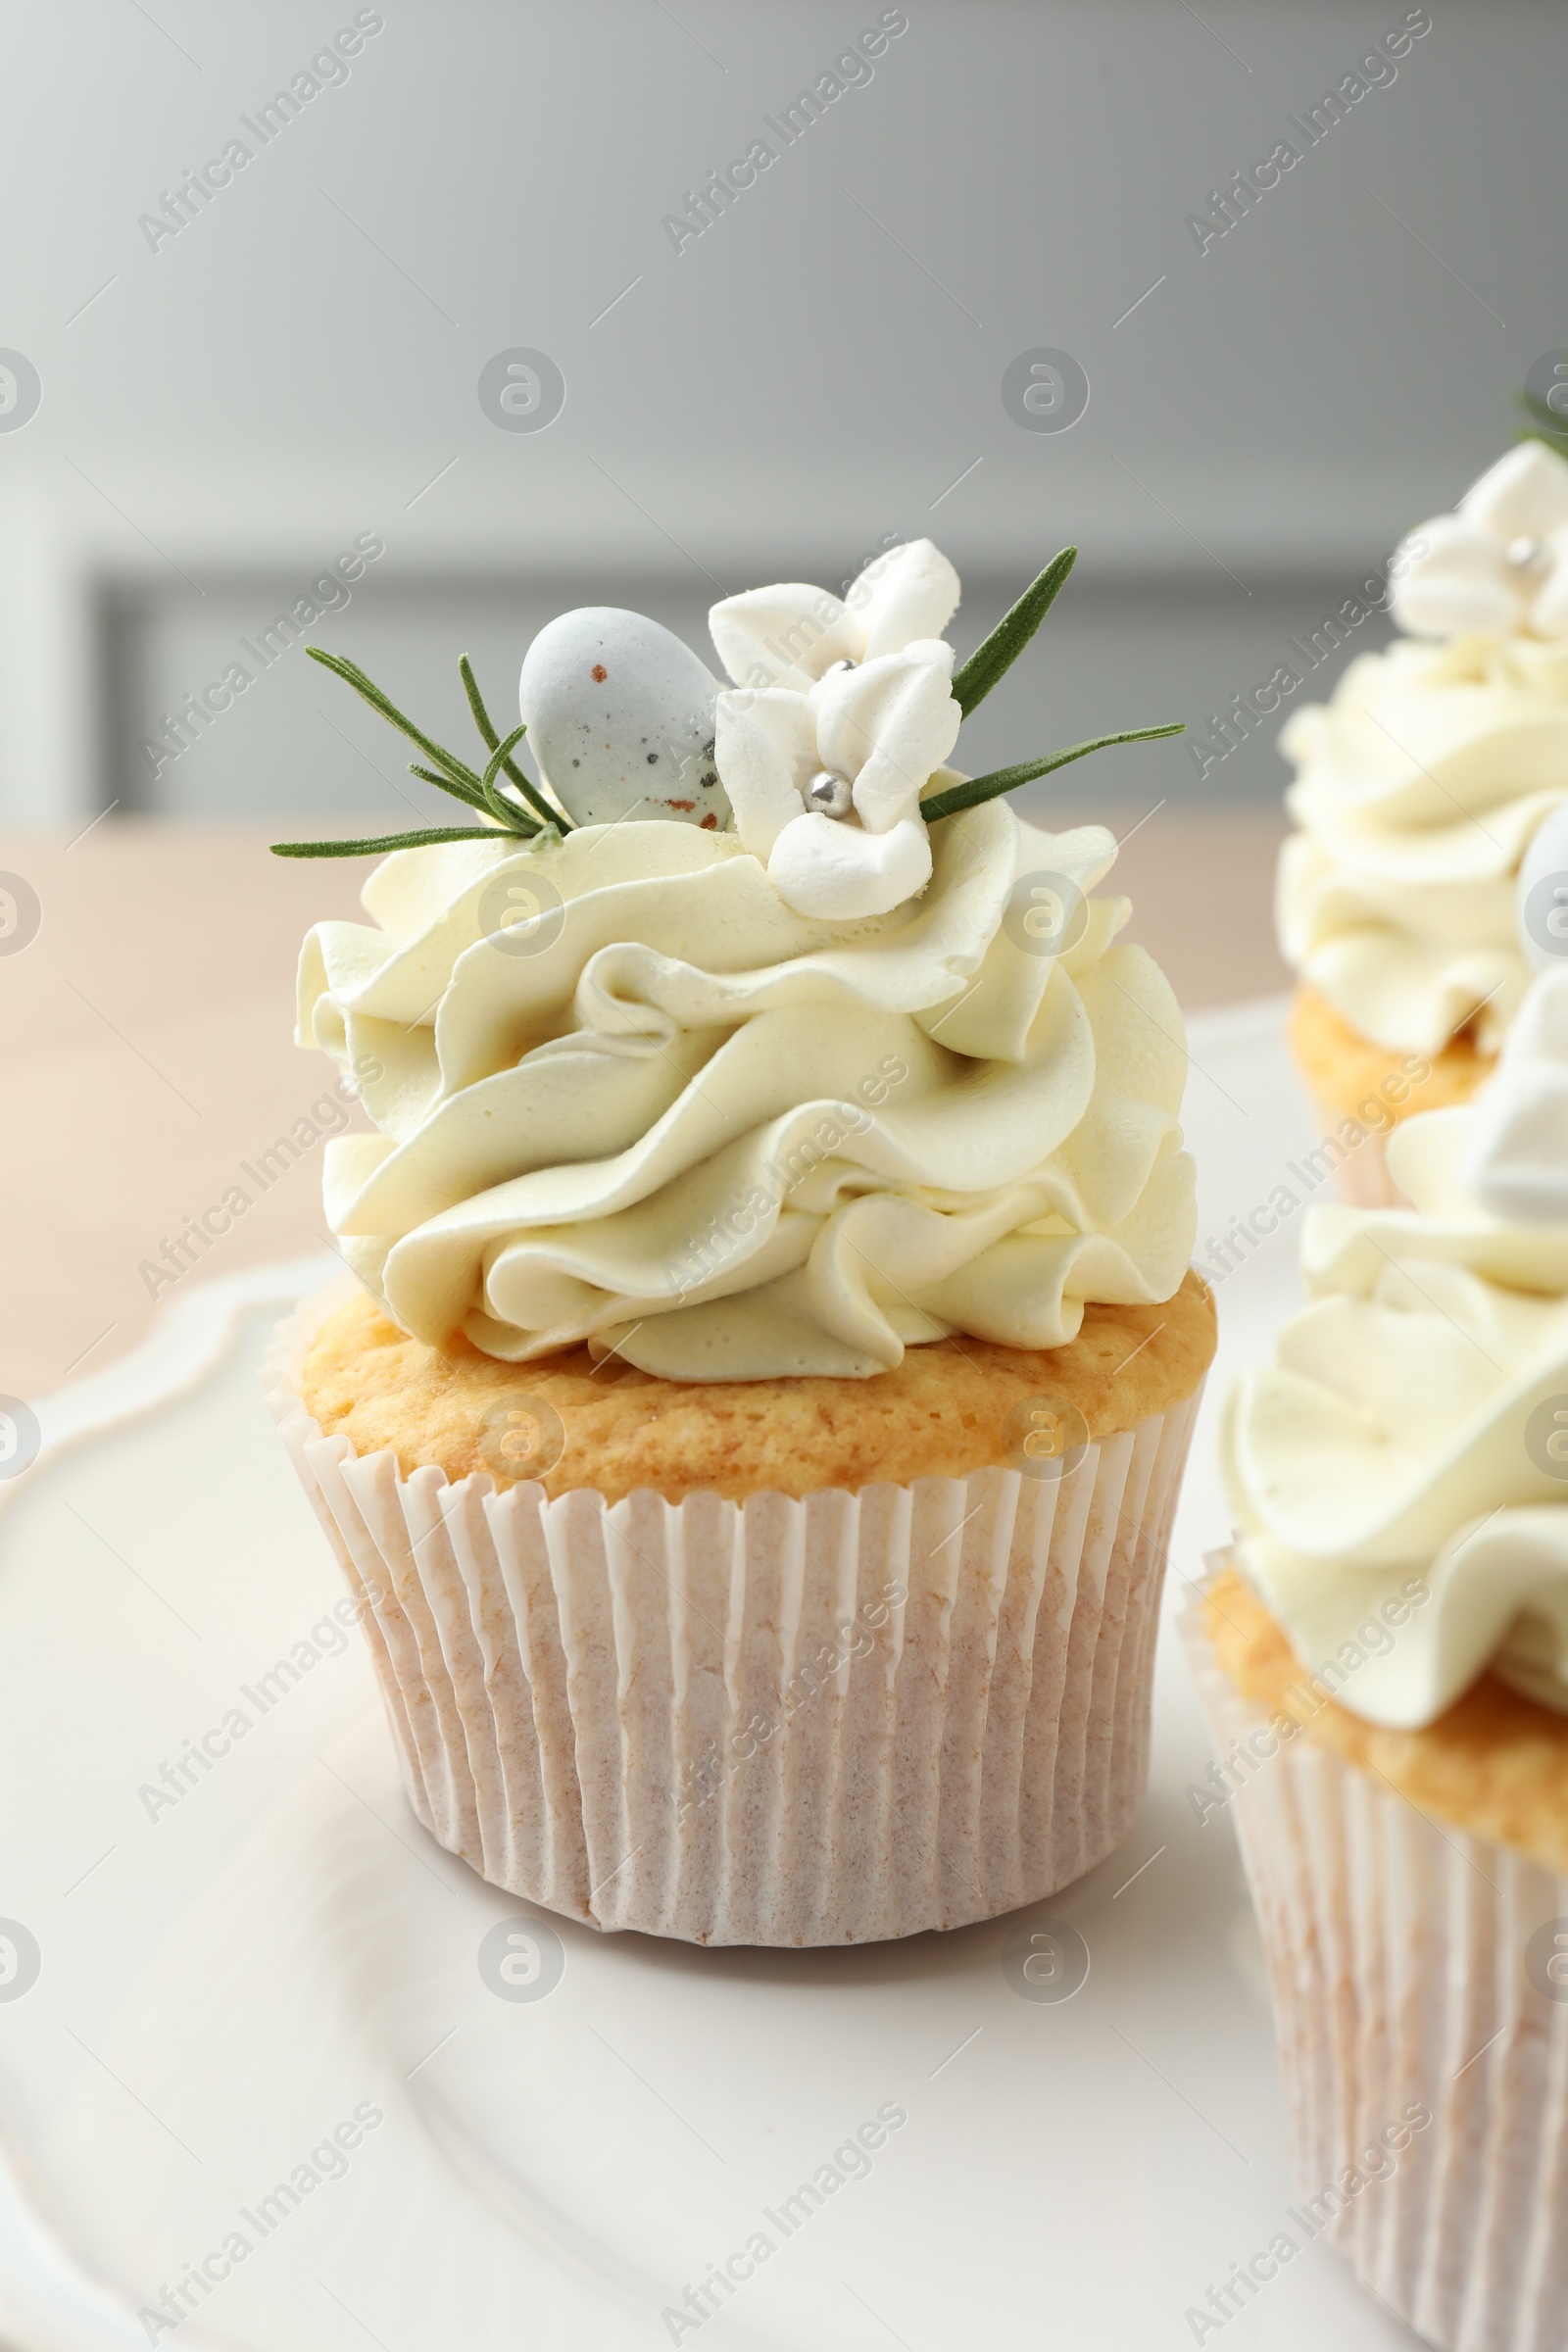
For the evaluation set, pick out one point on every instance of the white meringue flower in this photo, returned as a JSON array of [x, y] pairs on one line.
[[1500, 563], [884, 725], [885, 728], [789, 635], [1515, 1163]]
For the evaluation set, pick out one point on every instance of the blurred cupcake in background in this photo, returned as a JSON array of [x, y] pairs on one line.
[[1425, 792], [1384, 1666]]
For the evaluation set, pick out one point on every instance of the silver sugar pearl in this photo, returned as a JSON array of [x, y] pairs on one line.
[[828, 795], [1525, 553], [833, 668]]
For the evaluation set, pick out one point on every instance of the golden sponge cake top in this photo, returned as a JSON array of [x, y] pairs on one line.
[[951, 1407]]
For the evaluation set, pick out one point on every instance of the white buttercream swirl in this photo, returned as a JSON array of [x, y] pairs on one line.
[[731, 1141], [1419, 787], [1415, 1422]]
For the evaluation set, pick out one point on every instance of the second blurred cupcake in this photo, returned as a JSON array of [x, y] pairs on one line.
[[1384, 1666], [1420, 786]]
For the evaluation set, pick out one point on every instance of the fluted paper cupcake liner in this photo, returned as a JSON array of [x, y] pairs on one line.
[[776, 1722], [1397, 1954]]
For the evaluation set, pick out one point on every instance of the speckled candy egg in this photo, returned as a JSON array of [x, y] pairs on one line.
[[1543, 903], [620, 718]]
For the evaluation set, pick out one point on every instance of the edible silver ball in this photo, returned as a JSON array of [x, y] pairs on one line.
[[1525, 553], [828, 795], [833, 668]]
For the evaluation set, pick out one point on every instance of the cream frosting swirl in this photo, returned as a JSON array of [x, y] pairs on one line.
[[1414, 1425], [1419, 786], [728, 1141]]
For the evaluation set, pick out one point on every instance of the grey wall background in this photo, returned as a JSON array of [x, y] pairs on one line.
[[819, 370]]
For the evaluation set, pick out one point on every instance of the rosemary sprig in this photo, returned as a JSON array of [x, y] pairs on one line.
[[1545, 423], [513, 774], [455, 778], [383, 842], [450, 774], [484, 794], [506, 811], [992, 658], [960, 797]]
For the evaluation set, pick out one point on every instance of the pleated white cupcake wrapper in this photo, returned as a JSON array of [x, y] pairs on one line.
[[1397, 1959], [829, 1721]]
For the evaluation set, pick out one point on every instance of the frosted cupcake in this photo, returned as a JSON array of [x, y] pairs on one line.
[[1385, 1670], [755, 1424], [1420, 787]]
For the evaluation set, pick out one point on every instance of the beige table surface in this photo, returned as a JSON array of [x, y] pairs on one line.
[[146, 1044]]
